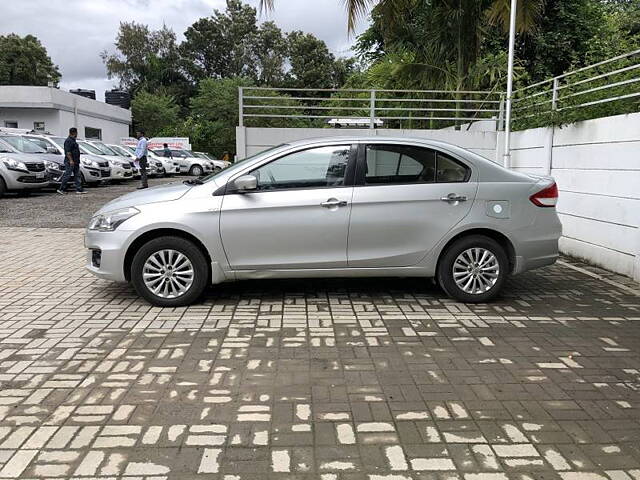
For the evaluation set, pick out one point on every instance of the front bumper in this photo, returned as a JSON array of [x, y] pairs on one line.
[[25, 180], [92, 175], [120, 173], [110, 248]]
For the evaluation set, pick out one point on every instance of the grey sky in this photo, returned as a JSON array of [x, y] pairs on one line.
[[76, 31]]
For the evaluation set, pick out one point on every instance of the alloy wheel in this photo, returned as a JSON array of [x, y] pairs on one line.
[[476, 270], [168, 273]]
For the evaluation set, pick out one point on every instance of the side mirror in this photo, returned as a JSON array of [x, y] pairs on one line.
[[245, 183], [52, 149]]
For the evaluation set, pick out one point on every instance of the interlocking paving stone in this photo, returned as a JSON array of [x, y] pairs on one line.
[[372, 379]]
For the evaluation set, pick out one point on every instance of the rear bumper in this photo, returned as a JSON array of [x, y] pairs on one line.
[[537, 245]]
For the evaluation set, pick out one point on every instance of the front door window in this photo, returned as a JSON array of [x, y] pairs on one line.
[[322, 167]]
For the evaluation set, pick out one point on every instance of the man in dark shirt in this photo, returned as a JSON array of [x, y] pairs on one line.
[[71, 163], [167, 151]]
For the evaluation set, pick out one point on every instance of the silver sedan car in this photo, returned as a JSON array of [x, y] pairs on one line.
[[338, 207]]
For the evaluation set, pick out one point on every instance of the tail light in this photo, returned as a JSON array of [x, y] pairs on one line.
[[547, 197]]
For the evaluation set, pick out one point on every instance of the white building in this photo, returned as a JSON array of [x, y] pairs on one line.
[[54, 111]]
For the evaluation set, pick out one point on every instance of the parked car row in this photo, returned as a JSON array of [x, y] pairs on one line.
[[33, 161]]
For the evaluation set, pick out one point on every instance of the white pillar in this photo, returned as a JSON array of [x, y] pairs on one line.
[[507, 127]]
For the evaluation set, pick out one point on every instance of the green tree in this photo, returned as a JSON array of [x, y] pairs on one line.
[[154, 111], [24, 61], [222, 45], [311, 63], [147, 59], [214, 112], [271, 55]]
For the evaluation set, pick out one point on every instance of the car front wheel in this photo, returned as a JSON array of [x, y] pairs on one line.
[[196, 171], [169, 272], [473, 269]]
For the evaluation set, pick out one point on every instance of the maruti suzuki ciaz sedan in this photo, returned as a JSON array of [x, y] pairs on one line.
[[334, 207]]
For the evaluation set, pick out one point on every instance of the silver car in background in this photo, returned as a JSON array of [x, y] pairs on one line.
[[340, 207], [19, 171], [94, 169], [189, 163]]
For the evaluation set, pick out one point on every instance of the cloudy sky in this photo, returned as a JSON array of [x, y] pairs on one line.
[[76, 31]]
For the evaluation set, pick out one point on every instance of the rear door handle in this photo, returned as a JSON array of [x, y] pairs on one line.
[[333, 203], [452, 197]]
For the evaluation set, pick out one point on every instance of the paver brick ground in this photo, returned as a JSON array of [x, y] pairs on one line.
[[364, 379]]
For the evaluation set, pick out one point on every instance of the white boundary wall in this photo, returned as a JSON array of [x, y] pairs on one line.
[[596, 164], [250, 140]]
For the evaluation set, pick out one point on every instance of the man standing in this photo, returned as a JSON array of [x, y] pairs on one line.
[[141, 157], [71, 163], [167, 151]]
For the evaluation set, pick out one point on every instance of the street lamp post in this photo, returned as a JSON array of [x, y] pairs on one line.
[[507, 125]]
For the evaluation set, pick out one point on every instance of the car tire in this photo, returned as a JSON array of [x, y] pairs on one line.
[[147, 260], [3, 187], [473, 269], [196, 171]]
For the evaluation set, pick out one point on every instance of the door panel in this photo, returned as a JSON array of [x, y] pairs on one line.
[[286, 229], [394, 222], [299, 216]]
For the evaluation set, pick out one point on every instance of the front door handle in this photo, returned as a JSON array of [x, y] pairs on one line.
[[333, 203], [452, 197]]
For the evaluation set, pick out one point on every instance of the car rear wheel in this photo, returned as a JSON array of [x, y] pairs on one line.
[[169, 272], [196, 171], [473, 269]]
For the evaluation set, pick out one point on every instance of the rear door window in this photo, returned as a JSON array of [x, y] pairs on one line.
[[407, 164]]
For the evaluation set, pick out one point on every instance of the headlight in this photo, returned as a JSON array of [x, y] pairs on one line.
[[109, 221], [52, 165], [89, 163], [15, 164]]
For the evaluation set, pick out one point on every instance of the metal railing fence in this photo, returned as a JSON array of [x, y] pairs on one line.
[[307, 107], [605, 88]]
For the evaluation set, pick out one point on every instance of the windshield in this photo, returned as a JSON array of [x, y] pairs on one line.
[[41, 142], [103, 148], [88, 148], [22, 144], [201, 155], [240, 163], [119, 151], [182, 153], [58, 141], [5, 147]]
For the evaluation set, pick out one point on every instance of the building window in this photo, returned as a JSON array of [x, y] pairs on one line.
[[92, 133], [9, 124], [38, 126]]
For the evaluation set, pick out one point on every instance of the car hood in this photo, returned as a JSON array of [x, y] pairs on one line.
[[162, 193], [26, 157]]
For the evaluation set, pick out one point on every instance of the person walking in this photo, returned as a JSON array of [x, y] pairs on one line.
[[71, 163], [141, 158]]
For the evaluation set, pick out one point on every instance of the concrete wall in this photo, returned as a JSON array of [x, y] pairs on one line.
[[61, 110], [596, 164], [250, 141]]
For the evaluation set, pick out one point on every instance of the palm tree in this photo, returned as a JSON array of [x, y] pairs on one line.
[[498, 11]]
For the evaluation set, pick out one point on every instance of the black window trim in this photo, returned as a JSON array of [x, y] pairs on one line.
[[349, 174], [362, 163]]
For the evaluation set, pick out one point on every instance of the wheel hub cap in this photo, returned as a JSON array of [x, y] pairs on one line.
[[476, 270], [168, 273]]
